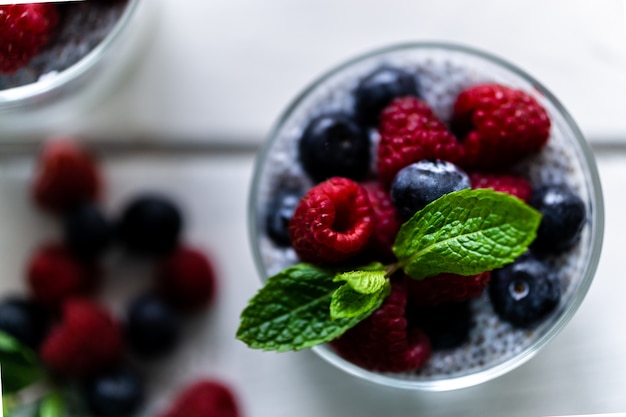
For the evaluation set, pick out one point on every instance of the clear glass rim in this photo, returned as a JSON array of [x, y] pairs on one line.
[[23, 95], [593, 184]]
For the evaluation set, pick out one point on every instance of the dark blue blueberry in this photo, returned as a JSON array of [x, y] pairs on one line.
[[422, 182], [564, 216], [524, 292], [150, 225], [152, 328], [279, 212], [334, 145], [117, 393], [87, 231], [378, 89], [25, 320], [447, 325]]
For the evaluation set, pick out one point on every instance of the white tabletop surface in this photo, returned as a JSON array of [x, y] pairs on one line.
[[221, 71]]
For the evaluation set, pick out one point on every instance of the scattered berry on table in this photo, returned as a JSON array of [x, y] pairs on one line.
[[332, 222], [279, 212], [387, 222], [564, 216], [498, 126], [422, 182], [410, 132], [66, 175], [524, 292], [515, 185], [24, 319], [375, 91], [54, 275], [446, 287], [383, 342], [334, 145], [205, 398], [87, 231], [447, 325], [152, 328], [150, 225], [186, 280], [86, 342], [24, 30], [118, 392]]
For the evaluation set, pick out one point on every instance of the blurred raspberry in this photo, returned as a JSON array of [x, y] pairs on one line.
[[517, 186], [205, 398], [387, 222], [445, 288]]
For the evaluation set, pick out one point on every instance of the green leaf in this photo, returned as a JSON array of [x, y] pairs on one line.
[[364, 282], [292, 311], [466, 232], [18, 364], [52, 405], [348, 303]]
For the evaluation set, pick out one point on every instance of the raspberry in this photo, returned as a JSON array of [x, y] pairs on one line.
[[54, 275], [387, 222], [205, 398], [87, 342], [332, 222], [66, 176], [186, 280], [511, 184], [445, 288], [410, 132], [383, 342], [24, 30], [498, 126]]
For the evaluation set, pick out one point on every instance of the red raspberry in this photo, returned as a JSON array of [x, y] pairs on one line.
[[445, 288], [66, 175], [383, 342], [514, 185], [88, 341], [54, 275], [387, 222], [205, 398], [186, 280], [498, 126], [410, 132], [332, 222], [24, 29]]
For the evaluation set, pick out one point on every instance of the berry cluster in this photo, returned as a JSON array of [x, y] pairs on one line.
[[352, 214], [75, 335]]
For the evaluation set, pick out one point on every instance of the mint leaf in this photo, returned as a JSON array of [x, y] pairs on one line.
[[465, 232], [367, 281], [18, 364], [359, 299], [52, 405], [292, 311]]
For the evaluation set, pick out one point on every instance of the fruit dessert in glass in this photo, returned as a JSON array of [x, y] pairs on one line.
[[50, 52], [424, 216]]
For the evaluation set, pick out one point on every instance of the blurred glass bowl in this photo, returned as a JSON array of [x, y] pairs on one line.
[[61, 95], [494, 347]]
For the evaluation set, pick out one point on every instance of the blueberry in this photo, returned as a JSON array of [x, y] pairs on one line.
[[524, 292], [23, 319], [447, 325], [422, 182], [563, 219], [152, 328], [150, 225], [334, 145], [116, 393], [279, 212], [87, 231], [378, 89]]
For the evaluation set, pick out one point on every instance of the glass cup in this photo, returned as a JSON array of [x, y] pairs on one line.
[[63, 95], [494, 347]]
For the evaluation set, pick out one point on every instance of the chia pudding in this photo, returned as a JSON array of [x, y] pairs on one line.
[[493, 346], [82, 27]]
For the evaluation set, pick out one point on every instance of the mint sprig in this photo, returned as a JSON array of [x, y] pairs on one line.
[[466, 232], [19, 365]]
